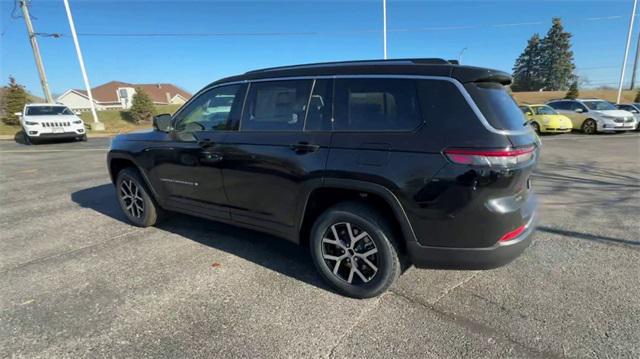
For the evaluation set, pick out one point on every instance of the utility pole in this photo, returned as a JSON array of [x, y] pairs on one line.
[[97, 125], [626, 50], [384, 27], [635, 66], [36, 51]]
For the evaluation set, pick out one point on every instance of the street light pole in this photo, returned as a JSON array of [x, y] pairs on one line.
[[36, 52], [384, 27], [626, 50], [97, 125]]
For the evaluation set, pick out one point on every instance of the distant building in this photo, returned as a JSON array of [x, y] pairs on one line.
[[116, 95]]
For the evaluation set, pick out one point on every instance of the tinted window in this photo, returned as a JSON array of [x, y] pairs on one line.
[[627, 108], [276, 106], [545, 110], [445, 110], [524, 109], [560, 105], [599, 105], [320, 107], [497, 106], [576, 105], [211, 110], [48, 110], [376, 105]]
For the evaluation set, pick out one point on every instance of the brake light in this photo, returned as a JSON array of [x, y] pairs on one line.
[[513, 234], [491, 158]]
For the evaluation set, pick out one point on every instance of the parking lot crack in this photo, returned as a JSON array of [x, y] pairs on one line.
[[355, 323], [480, 328], [71, 252]]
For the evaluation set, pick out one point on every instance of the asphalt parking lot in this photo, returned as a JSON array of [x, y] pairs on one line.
[[77, 280]]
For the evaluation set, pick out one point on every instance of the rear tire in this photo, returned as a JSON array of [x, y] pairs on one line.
[[135, 198], [589, 127], [363, 261]]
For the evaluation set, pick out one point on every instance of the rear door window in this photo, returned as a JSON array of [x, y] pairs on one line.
[[497, 106], [276, 106], [320, 109], [376, 105]]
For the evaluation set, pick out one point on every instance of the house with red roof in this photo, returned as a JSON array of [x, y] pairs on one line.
[[118, 95]]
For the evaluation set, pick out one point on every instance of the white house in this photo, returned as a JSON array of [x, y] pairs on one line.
[[117, 95]]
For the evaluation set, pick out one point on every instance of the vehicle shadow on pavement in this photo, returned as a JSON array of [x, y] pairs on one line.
[[267, 251], [588, 236]]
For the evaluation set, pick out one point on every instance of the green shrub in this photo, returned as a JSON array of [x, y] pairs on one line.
[[15, 97], [142, 108]]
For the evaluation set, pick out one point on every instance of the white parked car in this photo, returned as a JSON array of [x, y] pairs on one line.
[[594, 115], [45, 120]]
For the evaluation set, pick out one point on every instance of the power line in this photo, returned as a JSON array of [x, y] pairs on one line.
[[338, 32]]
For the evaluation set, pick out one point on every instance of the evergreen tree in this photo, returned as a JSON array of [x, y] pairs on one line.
[[637, 99], [557, 58], [573, 93], [527, 71], [142, 108], [15, 97]]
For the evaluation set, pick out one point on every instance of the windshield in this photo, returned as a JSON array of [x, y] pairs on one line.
[[545, 110], [599, 105], [497, 106], [48, 110]]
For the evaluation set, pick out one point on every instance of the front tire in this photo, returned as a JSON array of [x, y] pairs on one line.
[[135, 198], [354, 249], [589, 127], [535, 127]]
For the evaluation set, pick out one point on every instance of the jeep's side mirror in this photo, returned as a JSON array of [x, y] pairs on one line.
[[579, 110], [18, 113], [162, 122], [529, 113]]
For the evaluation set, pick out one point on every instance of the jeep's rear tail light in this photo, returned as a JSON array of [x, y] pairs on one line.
[[491, 158], [513, 234]]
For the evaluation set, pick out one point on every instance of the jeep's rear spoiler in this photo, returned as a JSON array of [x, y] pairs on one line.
[[477, 74]]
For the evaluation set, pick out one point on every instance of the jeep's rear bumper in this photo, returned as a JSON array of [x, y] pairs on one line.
[[471, 258]]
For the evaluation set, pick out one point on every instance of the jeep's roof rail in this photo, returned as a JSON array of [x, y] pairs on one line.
[[433, 67], [419, 61]]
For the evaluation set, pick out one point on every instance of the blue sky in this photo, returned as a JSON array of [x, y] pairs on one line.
[[254, 34]]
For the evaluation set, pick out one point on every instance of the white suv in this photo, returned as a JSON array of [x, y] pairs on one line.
[[45, 120], [594, 115]]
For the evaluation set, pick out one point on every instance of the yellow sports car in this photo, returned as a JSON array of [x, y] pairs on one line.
[[545, 119]]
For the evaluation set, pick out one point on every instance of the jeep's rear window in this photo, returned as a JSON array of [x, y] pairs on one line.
[[497, 106]]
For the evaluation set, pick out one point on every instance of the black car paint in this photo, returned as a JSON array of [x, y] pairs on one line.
[[263, 180]]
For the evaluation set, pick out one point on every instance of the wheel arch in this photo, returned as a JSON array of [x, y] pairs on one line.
[[118, 161], [329, 191]]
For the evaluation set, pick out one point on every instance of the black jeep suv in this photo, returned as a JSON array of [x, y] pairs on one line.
[[372, 164]]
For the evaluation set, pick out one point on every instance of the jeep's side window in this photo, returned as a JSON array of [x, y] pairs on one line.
[[211, 110], [276, 105], [376, 105], [320, 107]]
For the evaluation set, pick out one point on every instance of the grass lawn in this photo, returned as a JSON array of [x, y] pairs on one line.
[[114, 121], [542, 97]]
